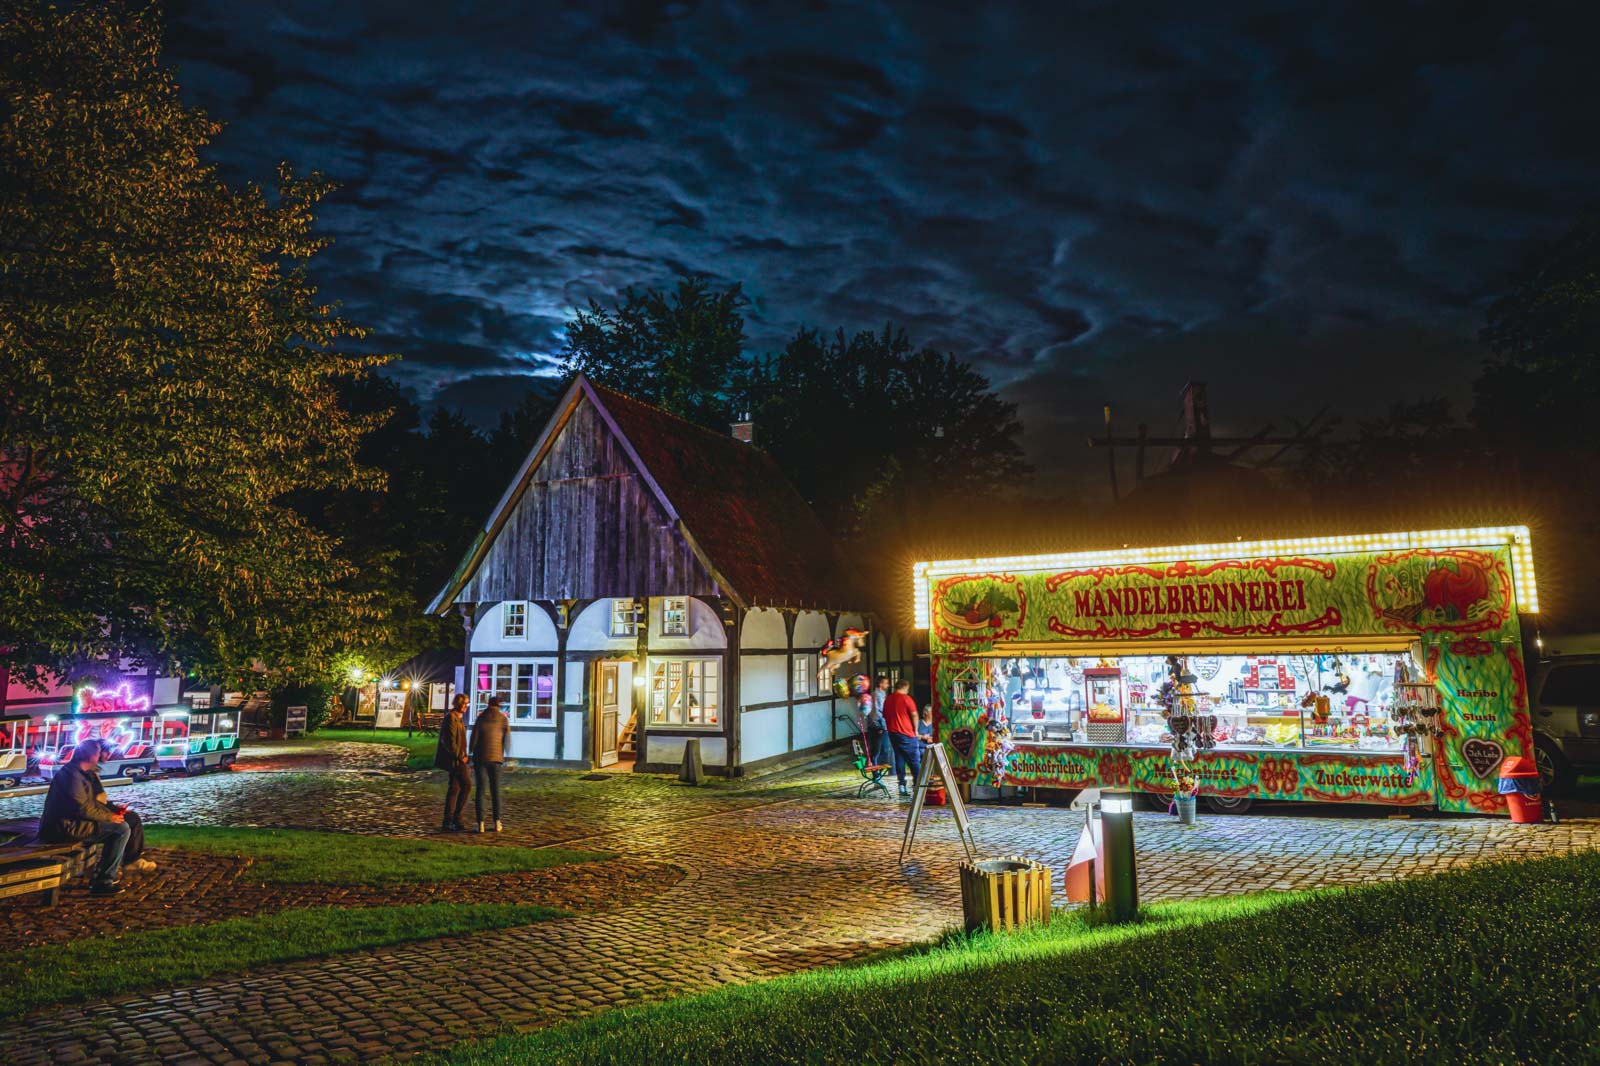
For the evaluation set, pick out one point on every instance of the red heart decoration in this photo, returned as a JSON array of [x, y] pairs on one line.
[[962, 740], [1483, 756]]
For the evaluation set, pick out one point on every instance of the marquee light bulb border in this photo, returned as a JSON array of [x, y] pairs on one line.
[[1517, 537]]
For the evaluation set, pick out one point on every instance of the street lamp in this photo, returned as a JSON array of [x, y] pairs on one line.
[[1116, 835]]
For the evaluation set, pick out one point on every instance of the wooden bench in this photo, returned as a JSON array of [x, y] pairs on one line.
[[28, 865], [428, 724]]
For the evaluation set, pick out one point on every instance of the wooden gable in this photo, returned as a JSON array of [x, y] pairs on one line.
[[587, 525]]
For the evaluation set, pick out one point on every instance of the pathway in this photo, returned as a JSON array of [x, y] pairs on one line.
[[775, 882]]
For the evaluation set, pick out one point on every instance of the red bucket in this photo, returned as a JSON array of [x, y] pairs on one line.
[[1525, 810], [936, 797], [1519, 784]]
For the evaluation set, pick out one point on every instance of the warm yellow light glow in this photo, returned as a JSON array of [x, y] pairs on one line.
[[924, 575]]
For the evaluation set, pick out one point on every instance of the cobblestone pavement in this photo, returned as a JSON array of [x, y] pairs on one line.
[[776, 881]]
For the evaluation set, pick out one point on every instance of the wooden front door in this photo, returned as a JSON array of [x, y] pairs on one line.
[[607, 720]]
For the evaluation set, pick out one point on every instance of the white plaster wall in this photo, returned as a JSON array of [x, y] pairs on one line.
[[713, 750], [591, 631], [165, 692], [880, 648], [705, 629], [764, 734], [845, 729], [848, 621], [763, 678], [813, 724], [811, 631], [532, 744], [572, 735], [572, 688], [488, 634], [763, 628]]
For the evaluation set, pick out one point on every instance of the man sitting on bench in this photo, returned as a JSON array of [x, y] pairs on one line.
[[72, 813]]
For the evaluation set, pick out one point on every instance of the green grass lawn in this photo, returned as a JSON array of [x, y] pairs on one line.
[[155, 958], [301, 855], [419, 749], [1496, 964]]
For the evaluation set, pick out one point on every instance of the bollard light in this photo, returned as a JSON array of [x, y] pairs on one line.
[[1116, 840]]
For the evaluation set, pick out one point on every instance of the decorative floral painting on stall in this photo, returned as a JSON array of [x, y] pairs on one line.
[[1458, 602]]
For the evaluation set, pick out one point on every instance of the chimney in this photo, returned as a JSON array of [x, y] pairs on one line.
[[744, 430]]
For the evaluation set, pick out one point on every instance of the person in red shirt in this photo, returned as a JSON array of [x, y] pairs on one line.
[[900, 718]]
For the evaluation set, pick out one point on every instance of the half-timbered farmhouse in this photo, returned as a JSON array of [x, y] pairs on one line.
[[644, 581]]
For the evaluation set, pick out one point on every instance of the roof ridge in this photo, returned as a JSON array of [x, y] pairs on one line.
[[656, 409]]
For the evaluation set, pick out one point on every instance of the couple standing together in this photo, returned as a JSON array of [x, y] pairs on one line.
[[486, 750], [892, 728]]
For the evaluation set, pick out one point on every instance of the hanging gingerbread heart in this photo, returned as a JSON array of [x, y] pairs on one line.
[[1483, 756], [962, 740]]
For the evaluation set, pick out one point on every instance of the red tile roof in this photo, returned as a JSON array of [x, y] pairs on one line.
[[762, 539]]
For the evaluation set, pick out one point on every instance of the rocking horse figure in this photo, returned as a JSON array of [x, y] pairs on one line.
[[838, 652]]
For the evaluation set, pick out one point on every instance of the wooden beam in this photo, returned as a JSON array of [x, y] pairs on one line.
[[1130, 442], [1111, 457]]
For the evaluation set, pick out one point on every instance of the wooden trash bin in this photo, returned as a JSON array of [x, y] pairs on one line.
[[1005, 893]]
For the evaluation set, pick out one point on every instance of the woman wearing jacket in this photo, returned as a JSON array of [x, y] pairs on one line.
[[489, 735], [451, 757]]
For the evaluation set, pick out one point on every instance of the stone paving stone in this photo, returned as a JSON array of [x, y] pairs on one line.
[[775, 880]]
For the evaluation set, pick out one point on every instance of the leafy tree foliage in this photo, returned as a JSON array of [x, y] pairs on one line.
[[1542, 387], [168, 374], [882, 436], [682, 351]]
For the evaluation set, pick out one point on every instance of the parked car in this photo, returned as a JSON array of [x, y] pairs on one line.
[[1566, 719]]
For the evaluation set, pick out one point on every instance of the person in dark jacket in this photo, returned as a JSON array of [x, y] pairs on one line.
[[72, 813], [489, 735], [451, 756], [133, 855], [877, 734]]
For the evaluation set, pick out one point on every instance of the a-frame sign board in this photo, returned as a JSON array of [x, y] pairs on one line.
[[935, 755]]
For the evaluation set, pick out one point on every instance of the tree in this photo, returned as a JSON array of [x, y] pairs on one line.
[[1537, 404], [168, 374], [682, 351], [879, 434], [1541, 389]]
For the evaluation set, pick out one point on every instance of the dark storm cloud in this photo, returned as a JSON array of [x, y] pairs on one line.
[[1304, 204]]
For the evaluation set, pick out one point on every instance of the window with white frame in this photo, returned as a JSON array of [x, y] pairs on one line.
[[514, 621], [526, 687], [675, 617], [624, 618], [805, 674], [685, 692]]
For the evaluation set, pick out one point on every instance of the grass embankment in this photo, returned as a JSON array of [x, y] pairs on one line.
[[155, 958], [419, 749], [310, 857], [1495, 964]]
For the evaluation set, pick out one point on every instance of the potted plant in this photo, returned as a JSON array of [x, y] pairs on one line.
[[1184, 796]]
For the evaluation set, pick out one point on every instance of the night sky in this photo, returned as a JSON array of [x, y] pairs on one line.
[[1093, 205]]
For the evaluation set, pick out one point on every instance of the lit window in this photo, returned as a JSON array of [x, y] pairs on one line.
[[624, 615], [805, 672], [526, 687], [685, 692], [515, 621], [675, 617]]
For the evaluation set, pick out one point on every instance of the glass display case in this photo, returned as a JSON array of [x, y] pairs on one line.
[[1257, 701], [1104, 719]]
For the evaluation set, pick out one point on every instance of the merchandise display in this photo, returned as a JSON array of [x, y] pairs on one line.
[[1256, 701]]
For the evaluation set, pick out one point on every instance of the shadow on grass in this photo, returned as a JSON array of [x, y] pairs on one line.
[[1492, 964]]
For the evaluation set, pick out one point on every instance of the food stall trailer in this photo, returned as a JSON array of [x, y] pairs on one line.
[[1377, 668]]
